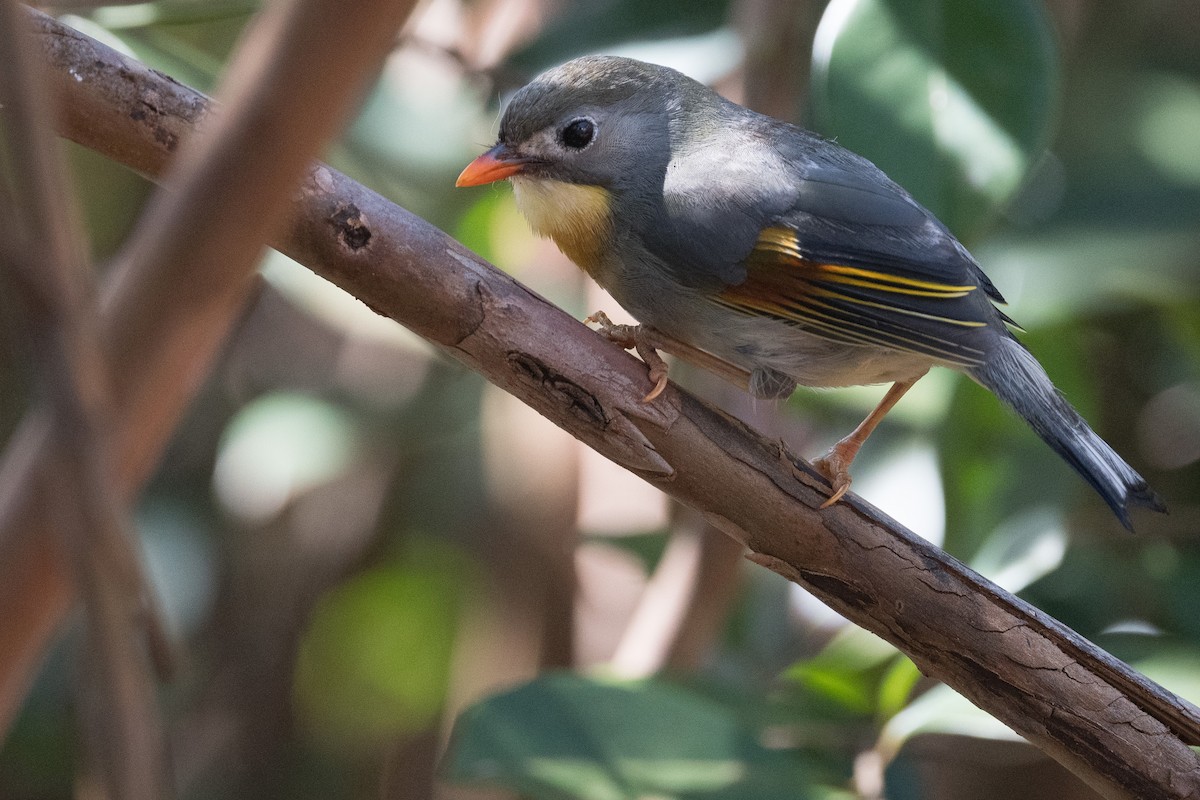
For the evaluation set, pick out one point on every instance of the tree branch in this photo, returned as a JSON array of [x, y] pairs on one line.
[[1118, 731]]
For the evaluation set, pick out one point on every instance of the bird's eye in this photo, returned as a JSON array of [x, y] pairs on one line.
[[579, 134]]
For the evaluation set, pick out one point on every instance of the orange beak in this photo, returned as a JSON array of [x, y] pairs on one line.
[[495, 165]]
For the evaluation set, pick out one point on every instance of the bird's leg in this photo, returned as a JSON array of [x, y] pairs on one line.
[[647, 341], [835, 465]]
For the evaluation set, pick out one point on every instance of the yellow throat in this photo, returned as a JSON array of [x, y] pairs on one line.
[[576, 217]]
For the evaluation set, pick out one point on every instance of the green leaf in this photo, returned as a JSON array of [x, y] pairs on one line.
[[846, 671], [954, 99], [192, 54], [859, 672], [1175, 665], [1060, 274], [897, 686], [375, 660], [1026, 547], [566, 737], [495, 229], [591, 25]]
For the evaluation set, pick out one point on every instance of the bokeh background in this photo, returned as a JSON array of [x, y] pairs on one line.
[[393, 580]]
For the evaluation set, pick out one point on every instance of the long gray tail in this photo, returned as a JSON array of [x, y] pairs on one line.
[[1016, 377]]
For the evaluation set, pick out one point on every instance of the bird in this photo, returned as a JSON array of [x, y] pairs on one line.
[[768, 254]]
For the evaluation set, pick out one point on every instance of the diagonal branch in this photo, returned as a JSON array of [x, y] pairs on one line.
[[1120, 732]]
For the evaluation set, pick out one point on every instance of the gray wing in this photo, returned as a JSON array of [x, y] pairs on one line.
[[848, 211], [794, 228], [717, 201]]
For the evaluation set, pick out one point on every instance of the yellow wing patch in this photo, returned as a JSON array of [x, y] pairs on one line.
[[850, 303], [783, 241]]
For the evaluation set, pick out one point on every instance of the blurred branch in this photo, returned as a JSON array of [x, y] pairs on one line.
[[185, 273], [46, 266], [686, 601], [718, 578], [778, 36], [532, 478], [494, 28], [521, 619], [1120, 732]]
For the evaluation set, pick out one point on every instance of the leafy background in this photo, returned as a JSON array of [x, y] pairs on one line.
[[365, 548]]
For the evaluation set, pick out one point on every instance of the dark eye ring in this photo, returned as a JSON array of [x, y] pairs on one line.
[[579, 133]]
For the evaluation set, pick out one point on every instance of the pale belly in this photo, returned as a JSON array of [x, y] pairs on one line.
[[757, 343], [806, 358]]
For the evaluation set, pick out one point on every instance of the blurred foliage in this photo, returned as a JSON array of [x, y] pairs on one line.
[[359, 679], [326, 529], [952, 99], [567, 736], [590, 25], [856, 674]]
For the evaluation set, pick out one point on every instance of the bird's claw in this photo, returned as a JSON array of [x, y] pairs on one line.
[[836, 469], [658, 374], [634, 337]]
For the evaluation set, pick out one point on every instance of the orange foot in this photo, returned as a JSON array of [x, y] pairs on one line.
[[835, 465], [634, 337]]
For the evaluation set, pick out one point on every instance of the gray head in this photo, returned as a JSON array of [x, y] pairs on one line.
[[597, 120]]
